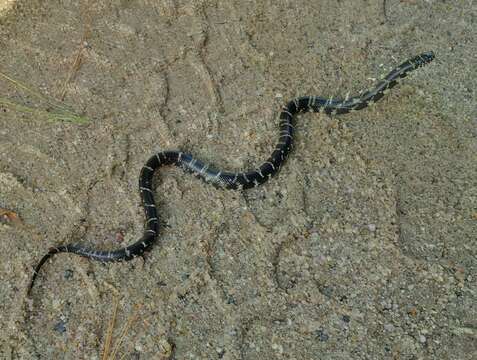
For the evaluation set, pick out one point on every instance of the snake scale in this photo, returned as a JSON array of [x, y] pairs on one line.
[[231, 180]]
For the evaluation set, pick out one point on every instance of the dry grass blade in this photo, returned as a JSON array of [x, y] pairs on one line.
[[79, 54], [109, 335], [53, 112], [133, 317], [34, 93]]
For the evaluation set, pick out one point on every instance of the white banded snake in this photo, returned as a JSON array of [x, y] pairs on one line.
[[230, 180]]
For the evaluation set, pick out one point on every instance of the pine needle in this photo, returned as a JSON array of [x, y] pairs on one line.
[[57, 113], [34, 93], [125, 329], [79, 54], [109, 335]]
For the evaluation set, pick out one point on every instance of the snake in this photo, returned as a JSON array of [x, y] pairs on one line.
[[234, 180]]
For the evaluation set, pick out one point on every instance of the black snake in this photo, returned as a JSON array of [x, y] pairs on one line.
[[230, 180]]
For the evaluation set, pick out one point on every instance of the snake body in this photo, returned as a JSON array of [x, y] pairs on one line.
[[231, 180]]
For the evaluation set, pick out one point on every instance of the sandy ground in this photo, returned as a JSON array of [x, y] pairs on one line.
[[363, 247], [6, 5]]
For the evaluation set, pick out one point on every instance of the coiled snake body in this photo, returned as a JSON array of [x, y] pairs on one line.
[[229, 180]]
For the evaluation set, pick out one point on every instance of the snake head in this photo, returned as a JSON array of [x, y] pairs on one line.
[[423, 59]]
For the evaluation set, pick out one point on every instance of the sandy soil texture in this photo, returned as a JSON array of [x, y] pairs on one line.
[[363, 247], [6, 5]]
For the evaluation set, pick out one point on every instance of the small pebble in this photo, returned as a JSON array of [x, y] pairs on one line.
[[119, 236], [231, 300], [322, 335], [185, 276], [422, 339], [278, 348], [327, 291], [60, 327], [68, 274], [387, 304]]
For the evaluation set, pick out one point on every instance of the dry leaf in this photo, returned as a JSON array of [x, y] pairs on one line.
[[8, 216]]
